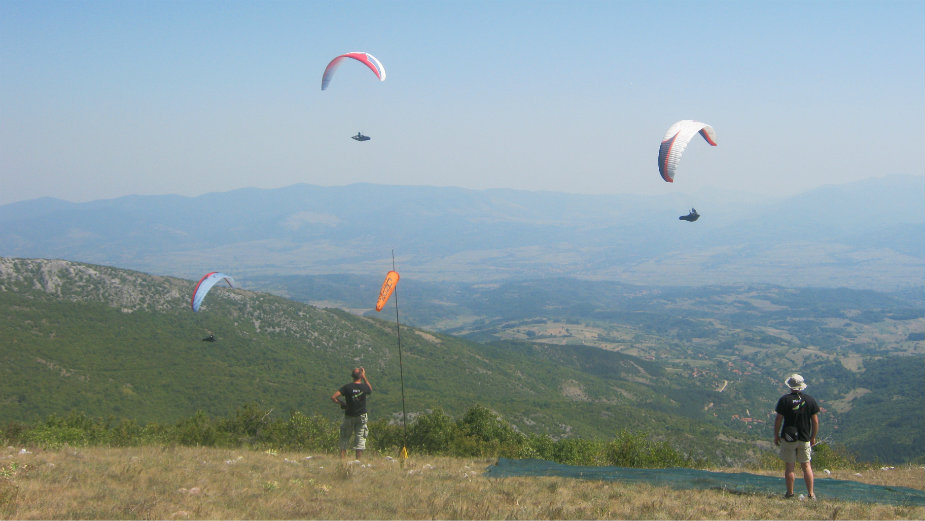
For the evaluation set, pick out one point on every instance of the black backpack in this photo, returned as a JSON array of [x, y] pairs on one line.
[[790, 432]]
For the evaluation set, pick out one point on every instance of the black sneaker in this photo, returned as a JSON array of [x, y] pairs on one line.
[[788, 495]]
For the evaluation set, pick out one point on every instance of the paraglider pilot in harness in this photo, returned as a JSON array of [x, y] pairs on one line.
[[691, 217]]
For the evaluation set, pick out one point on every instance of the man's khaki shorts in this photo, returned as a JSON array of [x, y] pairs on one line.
[[795, 451], [354, 427]]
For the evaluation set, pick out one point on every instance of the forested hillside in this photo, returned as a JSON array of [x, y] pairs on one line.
[[106, 341], [863, 351], [112, 342]]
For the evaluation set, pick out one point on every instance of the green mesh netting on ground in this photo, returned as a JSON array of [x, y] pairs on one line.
[[680, 478]]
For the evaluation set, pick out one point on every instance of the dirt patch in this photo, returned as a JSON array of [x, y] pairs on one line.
[[844, 404], [573, 391], [427, 336]]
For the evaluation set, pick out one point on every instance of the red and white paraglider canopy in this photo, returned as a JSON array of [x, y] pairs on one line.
[[676, 140], [363, 57]]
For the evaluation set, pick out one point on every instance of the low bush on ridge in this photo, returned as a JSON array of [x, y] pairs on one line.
[[480, 432]]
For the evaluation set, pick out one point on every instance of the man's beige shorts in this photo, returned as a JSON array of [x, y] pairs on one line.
[[354, 426], [795, 451]]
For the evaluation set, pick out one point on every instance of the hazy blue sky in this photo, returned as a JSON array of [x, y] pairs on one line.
[[102, 99]]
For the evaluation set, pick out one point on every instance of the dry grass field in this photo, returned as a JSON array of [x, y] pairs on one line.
[[199, 483]]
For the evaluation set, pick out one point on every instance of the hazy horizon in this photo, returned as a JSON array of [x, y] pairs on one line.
[[103, 99]]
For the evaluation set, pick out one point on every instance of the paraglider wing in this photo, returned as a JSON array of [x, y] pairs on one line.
[[388, 286], [675, 142], [363, 57], [205, 284]]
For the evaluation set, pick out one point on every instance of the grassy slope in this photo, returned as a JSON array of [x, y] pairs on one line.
[[196, 483]]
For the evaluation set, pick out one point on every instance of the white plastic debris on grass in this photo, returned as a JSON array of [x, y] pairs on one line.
[[426, 466]]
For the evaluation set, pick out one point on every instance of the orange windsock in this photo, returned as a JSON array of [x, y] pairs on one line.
[[388, 286]]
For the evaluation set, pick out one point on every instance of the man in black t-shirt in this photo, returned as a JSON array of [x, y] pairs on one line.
[[354, 406], [795, 431]]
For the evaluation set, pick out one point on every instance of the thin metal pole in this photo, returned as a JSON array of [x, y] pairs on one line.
[[401, 371]]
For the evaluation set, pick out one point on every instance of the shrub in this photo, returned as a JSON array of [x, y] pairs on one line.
[[479, 433], [12, 432], [384, 437], [824, 456], [247, 423], [156, 433], [433, 432], [197, 431], [315, 433], [637, 450], [832, 457], [54, 437], [537, 447], [126, 434], [578, 451], [482, 432]]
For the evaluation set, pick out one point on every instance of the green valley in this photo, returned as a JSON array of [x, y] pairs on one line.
[[110, 342]]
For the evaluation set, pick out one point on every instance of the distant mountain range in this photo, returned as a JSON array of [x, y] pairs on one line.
[[869, 234]]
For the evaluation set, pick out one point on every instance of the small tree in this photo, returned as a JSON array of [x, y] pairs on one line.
[[303, 432], [433, 432], [198, 430], [578, 451], [637, 450], [483, 432]]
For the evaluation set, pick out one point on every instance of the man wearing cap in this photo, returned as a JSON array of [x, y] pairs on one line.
[[795, 431]]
